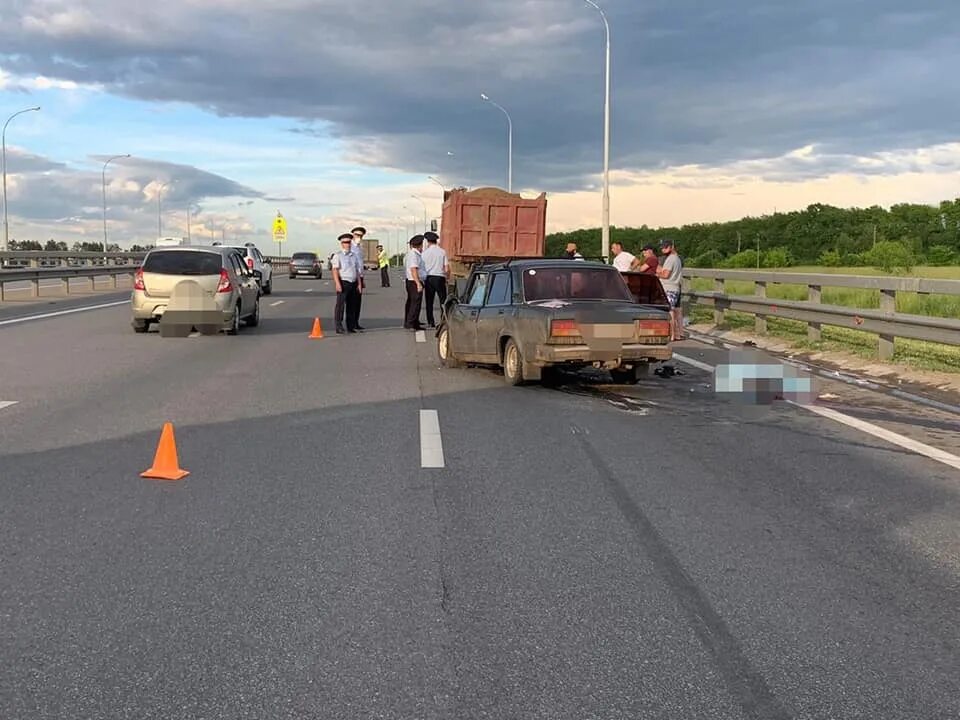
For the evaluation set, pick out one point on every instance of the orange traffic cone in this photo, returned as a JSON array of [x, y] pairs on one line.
[[165, 463], [317, 332]]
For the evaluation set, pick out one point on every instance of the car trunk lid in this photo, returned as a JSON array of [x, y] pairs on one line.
[[164, 269]]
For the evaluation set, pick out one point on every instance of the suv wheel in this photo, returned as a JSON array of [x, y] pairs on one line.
[[141, 326], [234, 327], [268, 288]]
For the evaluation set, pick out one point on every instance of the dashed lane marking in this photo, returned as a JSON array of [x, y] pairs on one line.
[[58, 313], [309, 290], [278, 302], [421, 336], [431, 444], [915, 446], [7, 403]]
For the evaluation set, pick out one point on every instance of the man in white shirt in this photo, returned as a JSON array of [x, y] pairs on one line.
[[416, 272], [345, 277], [358, 233], [435, 262], [622, 260]]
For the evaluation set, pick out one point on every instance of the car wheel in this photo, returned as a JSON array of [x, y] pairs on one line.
[[622, 376], [268, 288], [141, 326], [293, 277], [447, 357], [512, 363], [234, 327], [254, 319]]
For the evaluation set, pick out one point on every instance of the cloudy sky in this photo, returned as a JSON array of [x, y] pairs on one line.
[[335, 112]]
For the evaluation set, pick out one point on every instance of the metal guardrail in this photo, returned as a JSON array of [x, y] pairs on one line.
[[35, 275], [18, 259], [886, 322]]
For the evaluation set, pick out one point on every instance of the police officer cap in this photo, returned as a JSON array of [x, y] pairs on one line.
[[345, 236], [430, 236], [361, 230], [416, 241]]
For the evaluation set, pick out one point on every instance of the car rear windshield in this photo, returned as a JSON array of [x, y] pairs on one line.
[[572, 283], [180, 262], [304, 256]]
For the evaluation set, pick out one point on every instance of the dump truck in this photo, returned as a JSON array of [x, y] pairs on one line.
[[488, 225]]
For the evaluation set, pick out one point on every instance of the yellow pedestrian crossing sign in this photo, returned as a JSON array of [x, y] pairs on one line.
[[279, 228]]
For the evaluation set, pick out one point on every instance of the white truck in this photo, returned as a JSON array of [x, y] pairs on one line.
[[172, 242]]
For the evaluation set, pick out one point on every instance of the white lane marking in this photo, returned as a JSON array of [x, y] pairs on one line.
[[7, 403], [63, 312], [431, 444], [891, 437], [193, 334], [694, 363], [421, 336], [309, 290], [278, 302]]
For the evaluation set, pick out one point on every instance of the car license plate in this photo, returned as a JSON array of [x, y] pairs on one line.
[[303, 272]]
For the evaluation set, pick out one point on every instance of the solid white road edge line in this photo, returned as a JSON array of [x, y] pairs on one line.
[[421, 336], [891, 437], [278, 302], [63, 312], [431, 444], [694, 363], [7, 403]]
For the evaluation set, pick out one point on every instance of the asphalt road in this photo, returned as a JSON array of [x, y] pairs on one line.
[[584, 552]]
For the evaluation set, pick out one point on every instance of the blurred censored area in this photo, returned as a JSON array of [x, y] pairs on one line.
[[749, 378]]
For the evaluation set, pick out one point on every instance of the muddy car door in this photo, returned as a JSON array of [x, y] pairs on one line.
[[494, 313], [464, 314]]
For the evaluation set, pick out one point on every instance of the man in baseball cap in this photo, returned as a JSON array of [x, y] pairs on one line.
[[670, 273]]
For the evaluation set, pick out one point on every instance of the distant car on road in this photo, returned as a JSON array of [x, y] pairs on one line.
[[228, 290], [305, 263], [532, 317], [256, 261]]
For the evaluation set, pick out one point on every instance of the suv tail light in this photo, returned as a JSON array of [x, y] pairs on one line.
[[653, 328], [225, 284], [564, 328], [250, 263], [138, 280]]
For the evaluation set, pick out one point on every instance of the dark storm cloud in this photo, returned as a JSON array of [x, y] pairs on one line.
[[693, 82], [52, 191]]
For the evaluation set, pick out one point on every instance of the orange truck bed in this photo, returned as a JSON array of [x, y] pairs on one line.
[[492, 224]]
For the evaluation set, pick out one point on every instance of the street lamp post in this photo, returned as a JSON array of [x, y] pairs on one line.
[[103, 185], [159, 212], [605, 229], [6, 224], [417, 197], [486, 98]]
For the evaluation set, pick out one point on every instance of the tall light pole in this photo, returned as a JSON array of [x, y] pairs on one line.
[[605, 228], [442, 188], [159, 212], [486, 98], [6, 224], [103, 185], [422, 202]]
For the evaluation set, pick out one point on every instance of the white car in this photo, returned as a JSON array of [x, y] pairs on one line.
[[261, 266]]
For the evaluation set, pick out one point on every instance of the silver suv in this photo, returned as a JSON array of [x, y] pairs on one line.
[[257, 263]]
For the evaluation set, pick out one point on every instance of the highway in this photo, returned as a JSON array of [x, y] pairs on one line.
[[364, 534]]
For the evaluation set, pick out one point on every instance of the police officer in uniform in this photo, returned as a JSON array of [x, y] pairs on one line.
[[435, 285], [416, 273], [358, 233], [384, 262], [346, 276]]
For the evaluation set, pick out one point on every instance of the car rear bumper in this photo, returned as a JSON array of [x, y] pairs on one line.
[[151, 308], [633, 352]]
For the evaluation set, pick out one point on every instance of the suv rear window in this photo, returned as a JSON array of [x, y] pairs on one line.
[[180, 262], [551, 283]]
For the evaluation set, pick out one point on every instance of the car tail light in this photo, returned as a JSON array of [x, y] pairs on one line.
[[653, 328], [250, 263], [225, 285], [138, 280], [564, 328]]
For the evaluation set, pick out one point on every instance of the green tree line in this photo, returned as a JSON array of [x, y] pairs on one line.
[[904, 235], [60, 246]]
